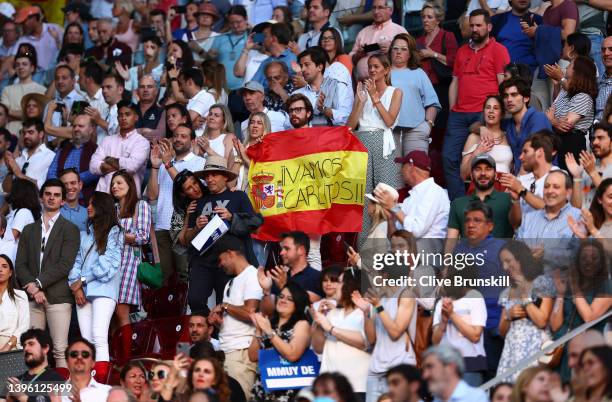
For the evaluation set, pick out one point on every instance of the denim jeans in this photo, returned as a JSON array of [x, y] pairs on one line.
[[457, 131], [595, 54], [376, 386]]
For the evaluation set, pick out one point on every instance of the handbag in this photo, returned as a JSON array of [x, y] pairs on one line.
[[553, 358], [444, 72], [423, 333], [148, 273]]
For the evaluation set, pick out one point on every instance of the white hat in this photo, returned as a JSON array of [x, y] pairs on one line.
[[7, 9], [382, 187]]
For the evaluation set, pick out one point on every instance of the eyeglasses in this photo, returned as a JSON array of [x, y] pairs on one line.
[[327, 38], [160, 374], [293, 110], [83, 353], [24, 168], [42, 246], [532, 188]]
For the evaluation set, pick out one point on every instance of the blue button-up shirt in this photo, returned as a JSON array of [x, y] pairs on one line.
[[464, 393], [532, 122], [286, 57], [554, 234], [77, 216]]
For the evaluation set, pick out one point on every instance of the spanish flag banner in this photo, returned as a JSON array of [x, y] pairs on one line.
[[310, 179]]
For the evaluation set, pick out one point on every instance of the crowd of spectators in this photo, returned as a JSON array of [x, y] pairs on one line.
[[488, 129]]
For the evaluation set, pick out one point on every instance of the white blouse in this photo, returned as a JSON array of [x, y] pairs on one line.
[[14, 315]]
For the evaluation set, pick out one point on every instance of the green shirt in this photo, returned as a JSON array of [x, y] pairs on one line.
[[499, 202]]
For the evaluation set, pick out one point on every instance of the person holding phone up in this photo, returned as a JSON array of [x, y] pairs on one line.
[[375, 37]]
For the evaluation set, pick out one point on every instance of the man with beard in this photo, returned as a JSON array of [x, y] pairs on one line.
[[478, 225], [110, 49], [36, 346], [81, 356], [536, 157], [151, 122], [128, 150], [35, 158], [525, 119], [299, 110], [479, 69], [605, 81], [443, 367], [201, 331], [483, 177], [594, 167], [164, 168], [76, 154]]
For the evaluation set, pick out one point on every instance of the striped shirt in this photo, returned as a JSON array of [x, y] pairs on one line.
[[580, 103]]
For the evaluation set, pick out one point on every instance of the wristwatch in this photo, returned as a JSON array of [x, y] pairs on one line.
[[523, 193], [168, 165], [83, 280]]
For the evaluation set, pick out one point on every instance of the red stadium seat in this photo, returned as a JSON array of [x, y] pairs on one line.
[[131, 341], [167, 333], [63, 372], [167, 301]]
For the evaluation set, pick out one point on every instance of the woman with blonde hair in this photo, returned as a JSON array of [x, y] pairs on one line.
[[377, 214], [259, 126], [532, 385], [218, 134]]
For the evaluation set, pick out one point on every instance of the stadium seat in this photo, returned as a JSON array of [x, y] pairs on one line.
[[167, 333], [167, 301], [131, 341]]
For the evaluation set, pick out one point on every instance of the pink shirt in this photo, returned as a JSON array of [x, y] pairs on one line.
[[383, 33], [132, 152]]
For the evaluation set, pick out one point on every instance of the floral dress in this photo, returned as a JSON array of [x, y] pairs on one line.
[[140, 225], [260, 395], [524, 338]]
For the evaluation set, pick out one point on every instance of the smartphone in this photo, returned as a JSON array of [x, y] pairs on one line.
[[258, 37], [183, 347], [346, 246], [180, 9], [372, 47], [528, 18]]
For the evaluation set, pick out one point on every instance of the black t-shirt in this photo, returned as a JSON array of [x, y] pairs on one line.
[[235, 202], [151, 117], [309, 279], [49, 376]]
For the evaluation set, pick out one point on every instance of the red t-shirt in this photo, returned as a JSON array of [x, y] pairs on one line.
[[477, 73]]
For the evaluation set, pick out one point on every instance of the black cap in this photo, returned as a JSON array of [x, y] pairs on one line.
[[229, 242]]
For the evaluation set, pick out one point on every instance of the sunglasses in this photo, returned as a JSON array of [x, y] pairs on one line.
[[160, 374], [25, 167], [83, 353]]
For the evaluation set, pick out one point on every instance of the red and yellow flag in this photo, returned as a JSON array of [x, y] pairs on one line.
[[310, 179]]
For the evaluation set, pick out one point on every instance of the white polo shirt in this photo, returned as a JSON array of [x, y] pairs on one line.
[[37, 164]]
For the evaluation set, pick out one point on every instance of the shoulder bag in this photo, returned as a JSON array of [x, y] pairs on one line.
[[444, 72]]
